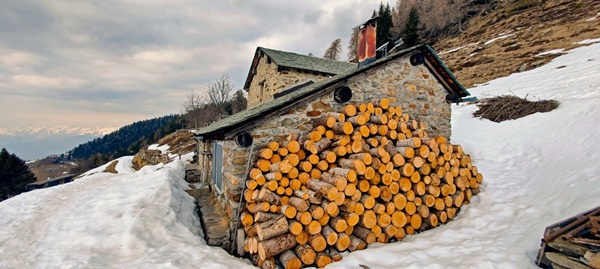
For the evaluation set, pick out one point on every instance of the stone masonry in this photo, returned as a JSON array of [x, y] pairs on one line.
[[412, 87], [269, 81]]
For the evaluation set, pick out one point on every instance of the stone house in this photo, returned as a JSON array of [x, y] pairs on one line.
[[414, 78], [274, 70]]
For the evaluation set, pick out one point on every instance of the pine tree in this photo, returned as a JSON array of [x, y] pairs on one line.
[[334, 51], [384, 24], [238, 102], [14, 175], [410, 34], [352, 46]]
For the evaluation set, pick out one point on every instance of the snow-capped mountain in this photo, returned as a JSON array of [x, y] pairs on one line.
[[36, 142]]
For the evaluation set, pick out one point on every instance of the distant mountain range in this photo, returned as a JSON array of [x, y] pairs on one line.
[[35, 142]]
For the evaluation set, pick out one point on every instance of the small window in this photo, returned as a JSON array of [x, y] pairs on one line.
[[217, 166]]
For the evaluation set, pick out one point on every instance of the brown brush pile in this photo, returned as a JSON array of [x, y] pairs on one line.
[[510, 107]]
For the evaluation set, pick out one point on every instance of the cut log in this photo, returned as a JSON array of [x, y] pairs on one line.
[[302, 238], [368, 220], [406, 152], [364, 234], [367, 201], [313, 227], [343, 242], [265, 195], [298, 203], [327, 190], [357, 120], [264, 165], [263, 216], [400, 201], [317, 242], [365, 157], [265, 153], [399, 219], [343, 128], [319, 145], [338, 224], [289, 211], [316, 211], [328, 156], [272, 228], [357, 165], [303, 217], [431, 220], [330, 235], [334, 254], [306, 254], [332, 209], [327, 121], [246, 218], [339, 182], [407, 169], [349, 110], [323, 259], [411, 142], [379, 119], [274, 246], [295, 227], [346, 172], [289, 260]]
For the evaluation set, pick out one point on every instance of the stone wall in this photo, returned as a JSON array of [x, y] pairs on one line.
[[268, 81], [412, 87]]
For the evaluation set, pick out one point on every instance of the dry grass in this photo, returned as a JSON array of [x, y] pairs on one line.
[[542, 26], [510, 107], [111, 168]]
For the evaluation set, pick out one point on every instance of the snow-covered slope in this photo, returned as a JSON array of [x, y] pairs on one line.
[[140, 219], [537, 170]]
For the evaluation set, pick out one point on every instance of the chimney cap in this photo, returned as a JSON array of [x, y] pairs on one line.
[[371, 20]]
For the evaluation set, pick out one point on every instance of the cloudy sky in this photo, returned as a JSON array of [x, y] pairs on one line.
[[109, 63]]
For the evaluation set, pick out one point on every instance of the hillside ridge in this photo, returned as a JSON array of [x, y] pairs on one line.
[[508, 40]]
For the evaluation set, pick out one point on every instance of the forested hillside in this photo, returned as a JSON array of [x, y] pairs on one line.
[[128, 140]]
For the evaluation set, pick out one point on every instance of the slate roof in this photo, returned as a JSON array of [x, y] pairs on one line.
[[246, 117], [301, 62]]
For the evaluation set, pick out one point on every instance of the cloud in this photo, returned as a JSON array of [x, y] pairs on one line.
[[123, 61]]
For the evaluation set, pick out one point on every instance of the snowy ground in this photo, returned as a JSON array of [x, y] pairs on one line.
[[537, 170]]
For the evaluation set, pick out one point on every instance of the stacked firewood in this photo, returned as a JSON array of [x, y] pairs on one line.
[[367, 174]]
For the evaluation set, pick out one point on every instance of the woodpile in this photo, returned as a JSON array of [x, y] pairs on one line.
[[367, 174], [572, 243]]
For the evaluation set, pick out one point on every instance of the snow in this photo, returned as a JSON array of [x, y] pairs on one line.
[[588, 41], [537, 170], [502, 36], [555, 51], [457, 49], [140, 219], [163, 148]]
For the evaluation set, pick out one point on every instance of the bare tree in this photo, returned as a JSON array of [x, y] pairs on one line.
[[219, 93], [191, 108], [334, 51], [200, 110]]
